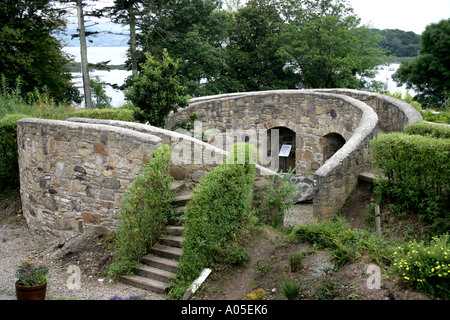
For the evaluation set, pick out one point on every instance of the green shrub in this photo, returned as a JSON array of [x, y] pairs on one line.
[[220, 208], [328, 289], [9, 165], [99, 98], [426, 266], [144, 211], [121, 114], [437, 117], [332, 235], [416, 171], [157, 90], [291, 289], [271, 200], [345, 243], [295, 261], [429, 130]]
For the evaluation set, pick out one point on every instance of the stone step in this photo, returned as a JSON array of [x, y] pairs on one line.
[[171, 240], [181, 200], [160, 262], [180, 210], [175, 230], [178, 185], [177, 221], [167, 251], [367, 177], [145, 283], [150, 272]]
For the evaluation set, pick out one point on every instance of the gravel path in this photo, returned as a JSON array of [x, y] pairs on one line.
[[18, 243]]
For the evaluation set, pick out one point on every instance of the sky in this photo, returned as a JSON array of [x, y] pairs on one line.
[[406, 15]]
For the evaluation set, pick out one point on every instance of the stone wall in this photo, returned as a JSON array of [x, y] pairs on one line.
[[312, 116], [393, 114], [73, 175], [191, 157], [309, 114]]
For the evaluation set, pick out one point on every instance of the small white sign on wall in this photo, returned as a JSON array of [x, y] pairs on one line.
[[285, 150]]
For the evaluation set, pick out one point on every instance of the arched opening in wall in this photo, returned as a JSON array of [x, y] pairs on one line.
[[286, 147], [332, 142]]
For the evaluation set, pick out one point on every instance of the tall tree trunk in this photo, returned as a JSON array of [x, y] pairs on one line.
[[132, 22], [84, 60]]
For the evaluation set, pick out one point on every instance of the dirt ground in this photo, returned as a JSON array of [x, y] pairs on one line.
[[267, 268]]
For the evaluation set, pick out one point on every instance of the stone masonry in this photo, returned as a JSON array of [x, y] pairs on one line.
[[74, 173]]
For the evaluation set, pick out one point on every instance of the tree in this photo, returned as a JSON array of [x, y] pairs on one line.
[[253, 56], [429, 74], [127, 12], [157, 90], [193, 31], [399, 43], [83, 55], [83, 33], [327, 45], [30, 51], [100, 99]]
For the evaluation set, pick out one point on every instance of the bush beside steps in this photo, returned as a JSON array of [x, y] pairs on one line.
[[158, 268]]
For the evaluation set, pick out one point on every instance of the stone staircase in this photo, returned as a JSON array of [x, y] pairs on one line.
[[159, 266]]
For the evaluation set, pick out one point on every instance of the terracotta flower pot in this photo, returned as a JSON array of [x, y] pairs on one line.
[[31, 292]]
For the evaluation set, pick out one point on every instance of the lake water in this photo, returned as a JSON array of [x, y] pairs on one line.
[[117, 55], [385, 75]]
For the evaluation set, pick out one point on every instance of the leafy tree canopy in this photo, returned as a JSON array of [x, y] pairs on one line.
[[327, 44], [429, 74], [157, 91], [265, 44], [29, 49], [253, 50], [193, 31], [399, 43]]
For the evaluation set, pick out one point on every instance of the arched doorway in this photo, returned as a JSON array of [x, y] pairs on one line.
[[332, 142], [286, 137]]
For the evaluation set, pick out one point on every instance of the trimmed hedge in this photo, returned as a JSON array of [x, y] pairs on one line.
[[144, 212], [9, 165], [417, 171], [428, 129], [122, 114], [218, 211]]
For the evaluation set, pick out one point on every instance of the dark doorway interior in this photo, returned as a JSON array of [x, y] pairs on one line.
[[332, 142], [286, 137]]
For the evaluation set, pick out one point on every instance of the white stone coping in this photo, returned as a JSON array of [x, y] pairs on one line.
[[367, 125], [147, 138], [151, 130], [408, 110]]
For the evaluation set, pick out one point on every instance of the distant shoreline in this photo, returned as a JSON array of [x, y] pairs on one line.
[[76, 67]]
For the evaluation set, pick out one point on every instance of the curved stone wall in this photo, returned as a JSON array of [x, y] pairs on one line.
[[74, 173], [191, 157], [312, 114], [393, 114]]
